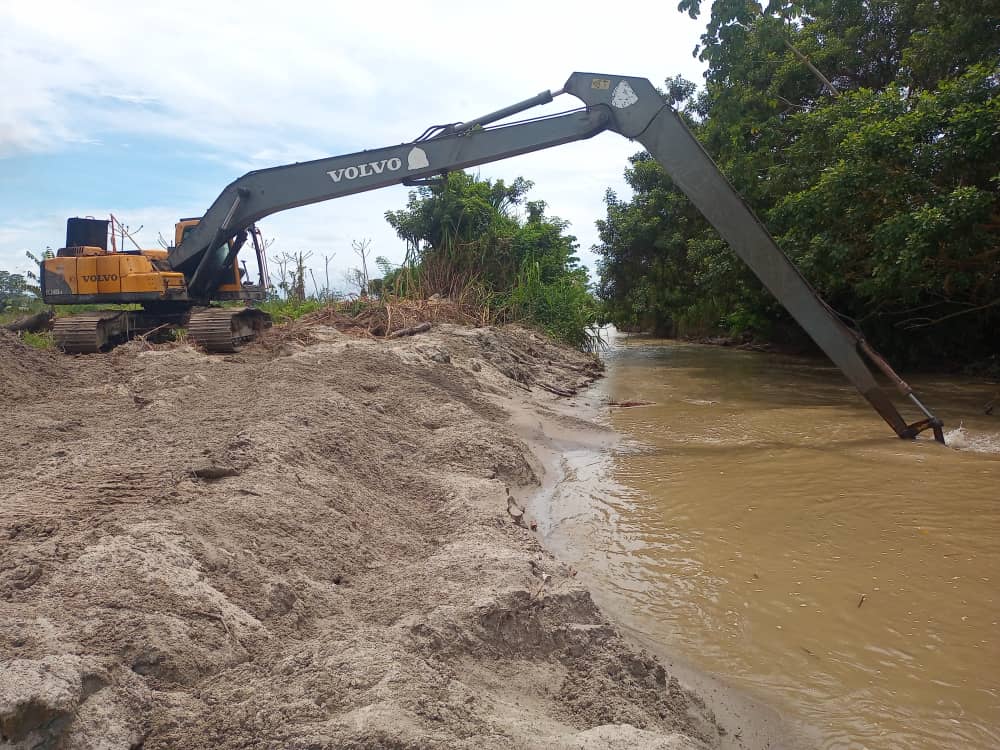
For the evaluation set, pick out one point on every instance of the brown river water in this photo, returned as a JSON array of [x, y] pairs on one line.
[[762, 522]]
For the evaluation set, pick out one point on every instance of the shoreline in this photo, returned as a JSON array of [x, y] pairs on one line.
[[307, 544], [750, 723]]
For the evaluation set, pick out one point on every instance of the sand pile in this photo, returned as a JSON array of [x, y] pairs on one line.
[[301, 546], [24, 370]]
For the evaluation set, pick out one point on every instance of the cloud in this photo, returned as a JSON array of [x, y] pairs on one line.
[[256, 84]]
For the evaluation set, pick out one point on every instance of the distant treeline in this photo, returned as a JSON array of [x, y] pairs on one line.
[[866, 135]]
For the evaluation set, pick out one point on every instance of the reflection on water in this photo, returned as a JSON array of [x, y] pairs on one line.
[[762, 520]]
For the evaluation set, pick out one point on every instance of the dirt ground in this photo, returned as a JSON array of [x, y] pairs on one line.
[[305, 545]]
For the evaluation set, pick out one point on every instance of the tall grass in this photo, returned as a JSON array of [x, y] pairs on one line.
[[563, 308]]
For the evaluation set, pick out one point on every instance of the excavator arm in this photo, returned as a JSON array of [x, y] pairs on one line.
[[631, 107], [257, 194]]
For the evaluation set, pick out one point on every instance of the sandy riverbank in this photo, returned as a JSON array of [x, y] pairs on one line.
[[306, 545]]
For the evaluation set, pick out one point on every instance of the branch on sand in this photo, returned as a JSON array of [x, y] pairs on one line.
[[411, 331]]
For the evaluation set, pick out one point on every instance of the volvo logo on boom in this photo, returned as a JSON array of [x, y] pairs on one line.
[[365, 170]]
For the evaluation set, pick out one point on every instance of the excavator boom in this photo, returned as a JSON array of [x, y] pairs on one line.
[[629, 106]]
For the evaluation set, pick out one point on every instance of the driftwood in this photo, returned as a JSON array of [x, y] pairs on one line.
[[412, 330], [565, 392], [34, 323]]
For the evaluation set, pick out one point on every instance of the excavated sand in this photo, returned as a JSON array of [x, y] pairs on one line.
[[301, 546]]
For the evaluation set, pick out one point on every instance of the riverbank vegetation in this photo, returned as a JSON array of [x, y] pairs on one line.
[[483, 241], [866, 135], [479, 245]]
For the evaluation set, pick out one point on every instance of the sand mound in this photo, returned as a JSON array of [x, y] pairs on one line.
[[305, 546], [25, 370]]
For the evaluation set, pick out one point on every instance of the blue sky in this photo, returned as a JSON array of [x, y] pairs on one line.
[[148, 112]]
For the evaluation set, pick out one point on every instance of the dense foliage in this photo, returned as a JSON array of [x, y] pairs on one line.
[[467, 236], [866, 134]]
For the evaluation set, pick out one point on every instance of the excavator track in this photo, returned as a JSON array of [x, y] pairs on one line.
[[226, 329], [90, 332]]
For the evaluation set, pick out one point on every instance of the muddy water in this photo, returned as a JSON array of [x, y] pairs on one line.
[[761, 521]]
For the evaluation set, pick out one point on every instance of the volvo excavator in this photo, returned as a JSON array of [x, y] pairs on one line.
[[86, 272], [179, 285]]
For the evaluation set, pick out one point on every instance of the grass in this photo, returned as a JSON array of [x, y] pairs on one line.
[[41, 340], [563, 308], [286, 310]]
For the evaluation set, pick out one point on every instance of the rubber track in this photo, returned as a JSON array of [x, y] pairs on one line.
[[212, 328], [83, 334]]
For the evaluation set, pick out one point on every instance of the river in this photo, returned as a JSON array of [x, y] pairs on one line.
[[760, 520]]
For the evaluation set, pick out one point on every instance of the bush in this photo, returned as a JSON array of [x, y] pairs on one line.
[[563, 308], [284, 310]]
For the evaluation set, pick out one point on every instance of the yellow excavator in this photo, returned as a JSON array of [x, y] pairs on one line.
[[85, 271], [178, 286]]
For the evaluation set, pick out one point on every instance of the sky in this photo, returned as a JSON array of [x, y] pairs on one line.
[[148, 110]]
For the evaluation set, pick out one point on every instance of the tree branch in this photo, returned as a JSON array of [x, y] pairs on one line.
[[912, 324]]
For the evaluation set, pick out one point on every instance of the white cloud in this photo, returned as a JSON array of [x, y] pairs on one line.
[[256, 83]]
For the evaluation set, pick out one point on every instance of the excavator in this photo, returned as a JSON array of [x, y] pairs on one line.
[[177, 286], [86, 272]]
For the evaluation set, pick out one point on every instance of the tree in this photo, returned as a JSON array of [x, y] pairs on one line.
[[459, 232], [362, 248], [299, 274], [292, 274], [885, 195], [14, 291], [467, 236]]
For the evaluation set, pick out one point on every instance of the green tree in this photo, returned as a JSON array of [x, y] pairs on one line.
[[459, 231], [865, 134], [466, 234], [899, 230]]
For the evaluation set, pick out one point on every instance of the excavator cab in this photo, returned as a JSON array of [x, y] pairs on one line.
[[86, 271], [235, 283]]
